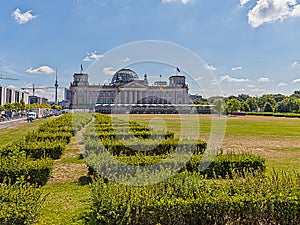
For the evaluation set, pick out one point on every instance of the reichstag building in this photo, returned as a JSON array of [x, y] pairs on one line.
[[127, 93]]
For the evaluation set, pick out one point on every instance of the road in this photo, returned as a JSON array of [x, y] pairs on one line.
[[12, 123]]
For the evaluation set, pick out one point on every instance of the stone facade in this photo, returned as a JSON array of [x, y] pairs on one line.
[[126, 88]]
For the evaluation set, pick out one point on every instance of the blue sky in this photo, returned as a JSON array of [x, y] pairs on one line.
[[251, 46]]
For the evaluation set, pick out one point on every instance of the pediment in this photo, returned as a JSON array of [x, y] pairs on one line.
[[133, 85]]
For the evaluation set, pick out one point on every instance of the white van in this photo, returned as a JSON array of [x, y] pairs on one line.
[[31, 115]]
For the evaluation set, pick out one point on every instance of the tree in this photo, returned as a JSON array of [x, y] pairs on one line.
[[219, 106], [245, 107], [251, 102], [233, 105], [264, 99], [23, 105], [9, 106], [268, 107], [242, 97], [54, 106], [288, 105]]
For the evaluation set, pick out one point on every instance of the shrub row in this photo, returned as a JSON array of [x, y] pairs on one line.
[[128, 136], [36, 150], [222, 166], [17, 165], [19, 204], [290, 115], [188, 199], [30, 158], [225, 166], [49, 136], [147, 147]]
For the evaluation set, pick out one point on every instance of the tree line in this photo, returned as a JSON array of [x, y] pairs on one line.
[[276, 103], [21, 106]]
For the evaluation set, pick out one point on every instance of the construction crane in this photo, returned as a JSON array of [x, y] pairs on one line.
[[7, 78], [33, 88]]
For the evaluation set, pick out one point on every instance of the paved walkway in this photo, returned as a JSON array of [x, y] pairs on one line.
[[11, 123]]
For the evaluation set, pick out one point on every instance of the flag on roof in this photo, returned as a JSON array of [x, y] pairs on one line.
[[178, 70]]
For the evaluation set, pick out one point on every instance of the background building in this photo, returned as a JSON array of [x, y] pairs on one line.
[[8, 95], [126, 88]]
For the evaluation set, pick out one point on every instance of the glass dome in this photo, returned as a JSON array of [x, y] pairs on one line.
[[124, 76]]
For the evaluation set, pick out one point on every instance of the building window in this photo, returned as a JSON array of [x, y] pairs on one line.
[[80, 101], [80, 93], [101, 100], [112, 100], [91, 101], [101, 94], [106, 101], [112, 94], [106, 94]]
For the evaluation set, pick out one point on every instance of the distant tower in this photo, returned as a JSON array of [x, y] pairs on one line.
[[56, 87]]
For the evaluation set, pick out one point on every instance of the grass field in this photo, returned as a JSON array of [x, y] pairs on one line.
[[275, 138], [67, 202]]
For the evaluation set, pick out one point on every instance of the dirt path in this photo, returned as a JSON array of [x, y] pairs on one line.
[[71, 166]]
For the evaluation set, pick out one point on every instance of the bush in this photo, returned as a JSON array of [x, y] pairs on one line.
[[36, 150], [222, 166], [146, 147], [188, 199], [17, 165], [19, 204]]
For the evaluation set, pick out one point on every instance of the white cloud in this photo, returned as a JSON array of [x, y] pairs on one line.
[[251, 85], [109, 71], [199, 78], [182, 1], [244, 2], [263, 79], [210, 67], [258, 90], [92, 56], [126, 59], [22, 18], [282, 84], [41, 70], [295, 63], [232, 79], [236, 68], [267, 11], [296, 81], [12, 87]]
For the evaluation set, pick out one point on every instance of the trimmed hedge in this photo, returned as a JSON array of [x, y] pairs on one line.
[[222, 166], [291, 115], [147, 147], [188, 199], [47, 136], [19, 204], [225, 166], [36, 150], [128, 136], [18, 165]]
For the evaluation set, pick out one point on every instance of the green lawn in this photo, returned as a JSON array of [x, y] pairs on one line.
[[66, 203], [18, 132], [276, 139]]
